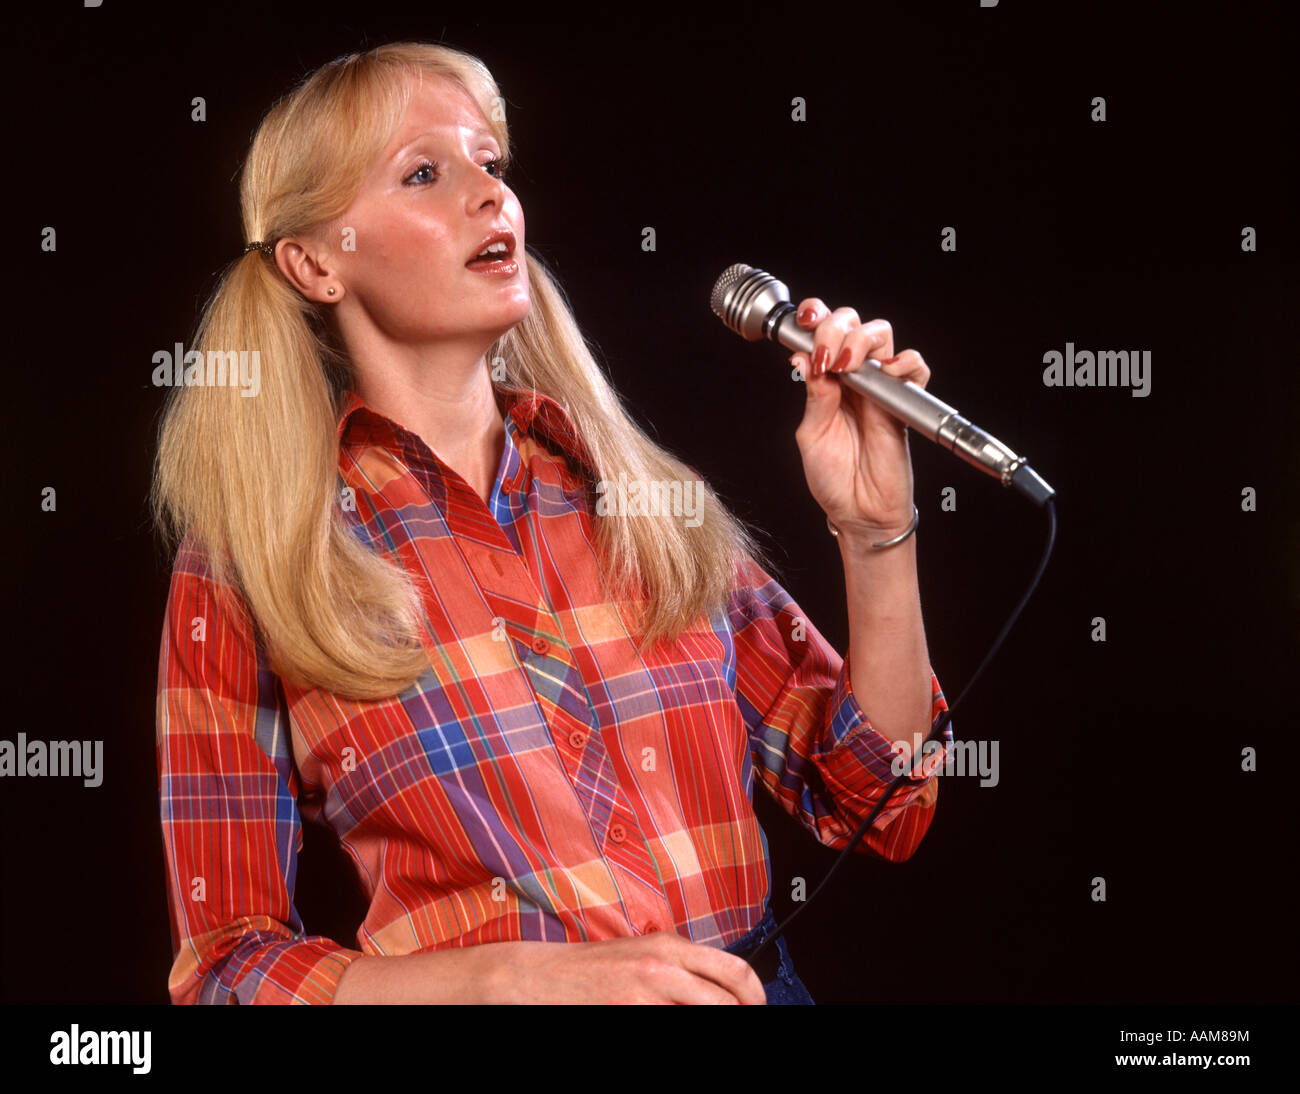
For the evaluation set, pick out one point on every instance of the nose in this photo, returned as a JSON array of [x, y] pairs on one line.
[[485, 189]]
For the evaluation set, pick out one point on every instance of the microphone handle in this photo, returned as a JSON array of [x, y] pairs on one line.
[[932, 418]]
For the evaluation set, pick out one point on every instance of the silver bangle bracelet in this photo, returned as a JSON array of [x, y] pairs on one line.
[[916, 519]]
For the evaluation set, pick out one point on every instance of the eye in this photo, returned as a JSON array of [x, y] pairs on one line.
[[427, 171], [423, 175]]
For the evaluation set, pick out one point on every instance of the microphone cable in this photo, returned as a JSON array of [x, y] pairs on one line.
[[941, 723]]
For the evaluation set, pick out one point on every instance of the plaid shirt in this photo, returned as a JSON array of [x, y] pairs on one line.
[[540, 781]]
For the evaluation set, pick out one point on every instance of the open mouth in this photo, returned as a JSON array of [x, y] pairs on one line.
[[497, 249], [494, 258]]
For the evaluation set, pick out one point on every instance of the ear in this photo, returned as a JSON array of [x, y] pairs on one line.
[[308, 268]]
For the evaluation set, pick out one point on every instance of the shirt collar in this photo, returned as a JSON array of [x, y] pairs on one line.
[[531, 412]]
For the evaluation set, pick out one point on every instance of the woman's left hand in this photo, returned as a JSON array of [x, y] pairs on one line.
[[855, 454]]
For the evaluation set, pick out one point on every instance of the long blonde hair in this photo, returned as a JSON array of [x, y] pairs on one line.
[[253, 482]]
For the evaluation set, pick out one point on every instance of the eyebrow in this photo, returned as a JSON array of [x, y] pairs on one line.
[[478, 132]]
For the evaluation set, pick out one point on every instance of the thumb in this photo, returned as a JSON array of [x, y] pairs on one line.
[[823, 396]]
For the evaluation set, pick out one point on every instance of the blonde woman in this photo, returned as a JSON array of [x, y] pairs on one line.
[[400, 605]]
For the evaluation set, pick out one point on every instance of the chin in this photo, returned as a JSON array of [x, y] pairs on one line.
[[519, 308]]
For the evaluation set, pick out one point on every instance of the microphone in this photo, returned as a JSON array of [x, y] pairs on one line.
[[756, 305]]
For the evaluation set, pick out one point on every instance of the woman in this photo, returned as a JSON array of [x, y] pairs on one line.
[[396, 608]]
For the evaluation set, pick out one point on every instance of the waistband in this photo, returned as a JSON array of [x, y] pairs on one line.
[[772, 962]]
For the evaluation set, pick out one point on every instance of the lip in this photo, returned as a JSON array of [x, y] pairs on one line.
[[501, 235]]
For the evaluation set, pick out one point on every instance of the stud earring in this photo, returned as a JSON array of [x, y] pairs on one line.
[[330, 290]]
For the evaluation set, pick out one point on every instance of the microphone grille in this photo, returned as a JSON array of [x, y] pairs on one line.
[[730, 278]]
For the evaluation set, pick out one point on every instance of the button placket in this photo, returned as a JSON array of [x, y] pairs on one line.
[[554, 676], [482, 538]]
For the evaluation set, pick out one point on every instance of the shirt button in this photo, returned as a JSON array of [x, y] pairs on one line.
[[618, 833], [540, 645], [577, 738]]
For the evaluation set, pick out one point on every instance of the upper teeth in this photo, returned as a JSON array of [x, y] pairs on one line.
[[493, 248]]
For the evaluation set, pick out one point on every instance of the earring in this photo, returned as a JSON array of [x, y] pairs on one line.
[[330, 290]]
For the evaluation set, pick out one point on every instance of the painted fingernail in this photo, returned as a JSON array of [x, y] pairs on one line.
[[820, 357], [841, 362], [805, 315]]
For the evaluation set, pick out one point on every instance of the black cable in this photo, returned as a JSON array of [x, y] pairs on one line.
[[941, 723]]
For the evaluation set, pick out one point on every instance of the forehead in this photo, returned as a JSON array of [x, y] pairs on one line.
[[437, 102]]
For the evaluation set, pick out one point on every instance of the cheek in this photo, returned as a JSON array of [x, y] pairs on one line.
[[422, 244], [398, 230], [409, 266]]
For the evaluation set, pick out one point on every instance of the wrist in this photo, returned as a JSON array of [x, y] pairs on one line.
[[866, 536], [506, 967]]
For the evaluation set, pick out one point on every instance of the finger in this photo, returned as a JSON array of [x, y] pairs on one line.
[[671, 982], [908, 365], [821, 404], [729, 971], [829, 337], [812, 310], [735, 974], [874, 340], [867, 340], [820, 383], [684, 986], [746, 985]]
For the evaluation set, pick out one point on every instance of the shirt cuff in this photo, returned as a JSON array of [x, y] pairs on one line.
[[852, 748], [281, 971]]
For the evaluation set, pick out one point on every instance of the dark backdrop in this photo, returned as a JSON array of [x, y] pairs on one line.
[[1119, 759]]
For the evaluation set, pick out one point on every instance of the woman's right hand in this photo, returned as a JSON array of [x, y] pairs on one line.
[[660, 967]]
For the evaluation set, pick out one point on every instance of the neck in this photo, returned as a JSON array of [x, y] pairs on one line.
[[458, 415]]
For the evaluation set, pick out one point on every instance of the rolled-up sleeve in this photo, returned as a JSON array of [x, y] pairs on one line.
[[230, 822], [813, 745]]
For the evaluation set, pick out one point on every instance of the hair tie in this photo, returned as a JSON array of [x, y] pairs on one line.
[[258, 245]]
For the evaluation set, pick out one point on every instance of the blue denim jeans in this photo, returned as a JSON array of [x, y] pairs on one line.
[[786, 988]]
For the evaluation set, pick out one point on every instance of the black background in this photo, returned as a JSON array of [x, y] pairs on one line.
[[1119, 759]]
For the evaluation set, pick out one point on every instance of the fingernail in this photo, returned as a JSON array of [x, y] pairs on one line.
[[841, 362], [820, 357], [804, 315]]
